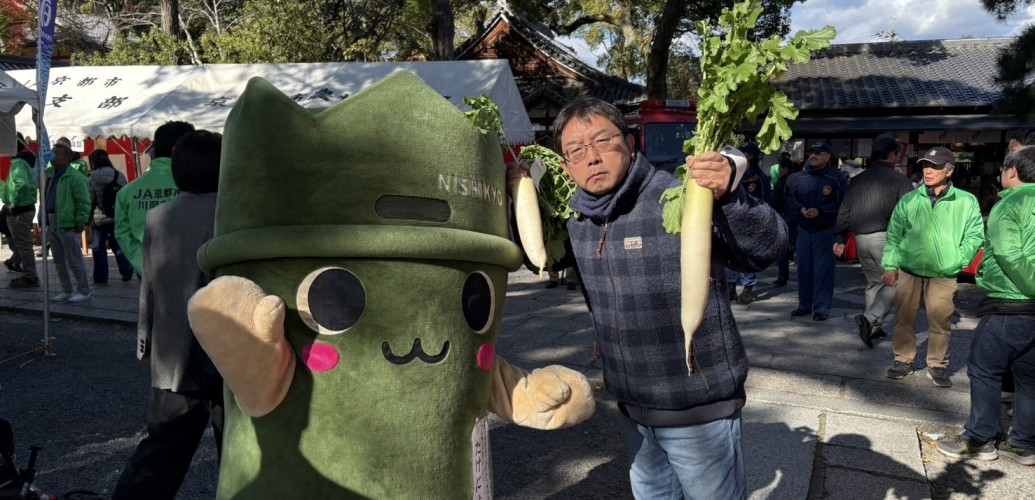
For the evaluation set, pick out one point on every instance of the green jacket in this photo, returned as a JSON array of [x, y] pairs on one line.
[[19, 190], [74, 205], [933, 241], [1008, 268], [76, 164], [153, 188]]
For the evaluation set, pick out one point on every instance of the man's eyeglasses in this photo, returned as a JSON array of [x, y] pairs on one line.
[[601, 145], [934, 166]]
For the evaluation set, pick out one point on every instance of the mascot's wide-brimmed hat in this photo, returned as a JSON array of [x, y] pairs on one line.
[[394, 171]]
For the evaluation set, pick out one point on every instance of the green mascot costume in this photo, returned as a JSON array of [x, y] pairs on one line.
[[361, 257]]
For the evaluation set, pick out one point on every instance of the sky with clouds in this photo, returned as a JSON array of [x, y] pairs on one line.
[[860, 21]]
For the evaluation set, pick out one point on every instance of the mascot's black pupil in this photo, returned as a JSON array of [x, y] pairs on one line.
[[336, 299], [477, 301]]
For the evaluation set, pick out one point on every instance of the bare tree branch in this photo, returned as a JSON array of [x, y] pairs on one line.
[[567, 29]]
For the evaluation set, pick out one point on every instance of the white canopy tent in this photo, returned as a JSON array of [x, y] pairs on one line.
[[13, 96], [90, 101], [134, 100]]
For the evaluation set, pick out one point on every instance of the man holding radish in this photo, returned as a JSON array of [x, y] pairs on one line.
[[682, 426]]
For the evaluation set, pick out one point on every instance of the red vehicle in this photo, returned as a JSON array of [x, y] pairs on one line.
[[661, 127]]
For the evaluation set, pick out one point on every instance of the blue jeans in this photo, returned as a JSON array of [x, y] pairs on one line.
[[104, 238], [742, 279], [699, 461], [1001, 340], [815, 261]]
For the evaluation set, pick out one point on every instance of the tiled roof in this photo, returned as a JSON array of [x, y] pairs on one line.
[[938, 73], [11, 63], [96, 30], [593, 81]]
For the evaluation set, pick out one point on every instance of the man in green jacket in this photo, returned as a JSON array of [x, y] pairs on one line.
[[153, 188], [19, 196], [1005, 336], [77, 163], [934, 233], [69, 208]]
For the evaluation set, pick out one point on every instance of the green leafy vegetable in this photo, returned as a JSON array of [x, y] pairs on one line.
[[735, 88], [556, 187], [485, 116], [555, 190]]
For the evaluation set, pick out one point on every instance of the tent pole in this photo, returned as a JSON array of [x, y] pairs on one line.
[[131, 154], [136, 158], [42, 184]]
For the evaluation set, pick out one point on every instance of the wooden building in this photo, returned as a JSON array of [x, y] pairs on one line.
[[548, 73], [925, 93]]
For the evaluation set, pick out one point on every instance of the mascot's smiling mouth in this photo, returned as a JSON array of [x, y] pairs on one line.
[[416, 353]]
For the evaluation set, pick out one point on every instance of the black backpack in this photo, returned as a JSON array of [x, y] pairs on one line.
[[107, 199]]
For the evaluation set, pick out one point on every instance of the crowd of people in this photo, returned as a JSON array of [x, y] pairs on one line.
[[84, 195], [681, 424], [152, 241], [912, 238]]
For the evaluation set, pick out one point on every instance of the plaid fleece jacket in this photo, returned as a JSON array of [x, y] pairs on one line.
[[632, 284]]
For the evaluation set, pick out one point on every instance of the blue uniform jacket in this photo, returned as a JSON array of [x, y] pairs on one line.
[[822, 189]]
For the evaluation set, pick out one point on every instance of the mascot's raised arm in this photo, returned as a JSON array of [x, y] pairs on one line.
[[361, 256]]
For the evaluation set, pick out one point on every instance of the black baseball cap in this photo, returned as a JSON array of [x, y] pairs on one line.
[[939, 156], [818, 147]]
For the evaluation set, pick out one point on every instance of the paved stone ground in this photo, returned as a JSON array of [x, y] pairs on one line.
[[822, 421]]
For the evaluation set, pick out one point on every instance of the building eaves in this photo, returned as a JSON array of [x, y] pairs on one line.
[[602, 85], [595, 82], [12, 63], [933, 73]]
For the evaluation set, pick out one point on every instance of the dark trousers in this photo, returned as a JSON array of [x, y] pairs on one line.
[[104, 238], [815, 261], [161, 460], [783, 266], [1001, 343]]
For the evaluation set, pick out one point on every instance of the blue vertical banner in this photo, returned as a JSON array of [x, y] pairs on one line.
[[44, 51]]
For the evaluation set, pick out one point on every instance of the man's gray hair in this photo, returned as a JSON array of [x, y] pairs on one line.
[[1024, 161]]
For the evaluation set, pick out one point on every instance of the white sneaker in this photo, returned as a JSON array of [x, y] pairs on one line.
[[61, 297], [79, 297]]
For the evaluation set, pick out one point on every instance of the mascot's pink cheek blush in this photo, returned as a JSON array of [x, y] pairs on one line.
[[320, 357], [486, 354]]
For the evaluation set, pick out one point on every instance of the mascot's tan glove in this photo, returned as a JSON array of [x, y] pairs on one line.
[[242, 330], [548, 398]]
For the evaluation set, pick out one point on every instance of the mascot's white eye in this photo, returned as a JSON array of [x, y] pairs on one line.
[[478, 302], [330, 300]]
